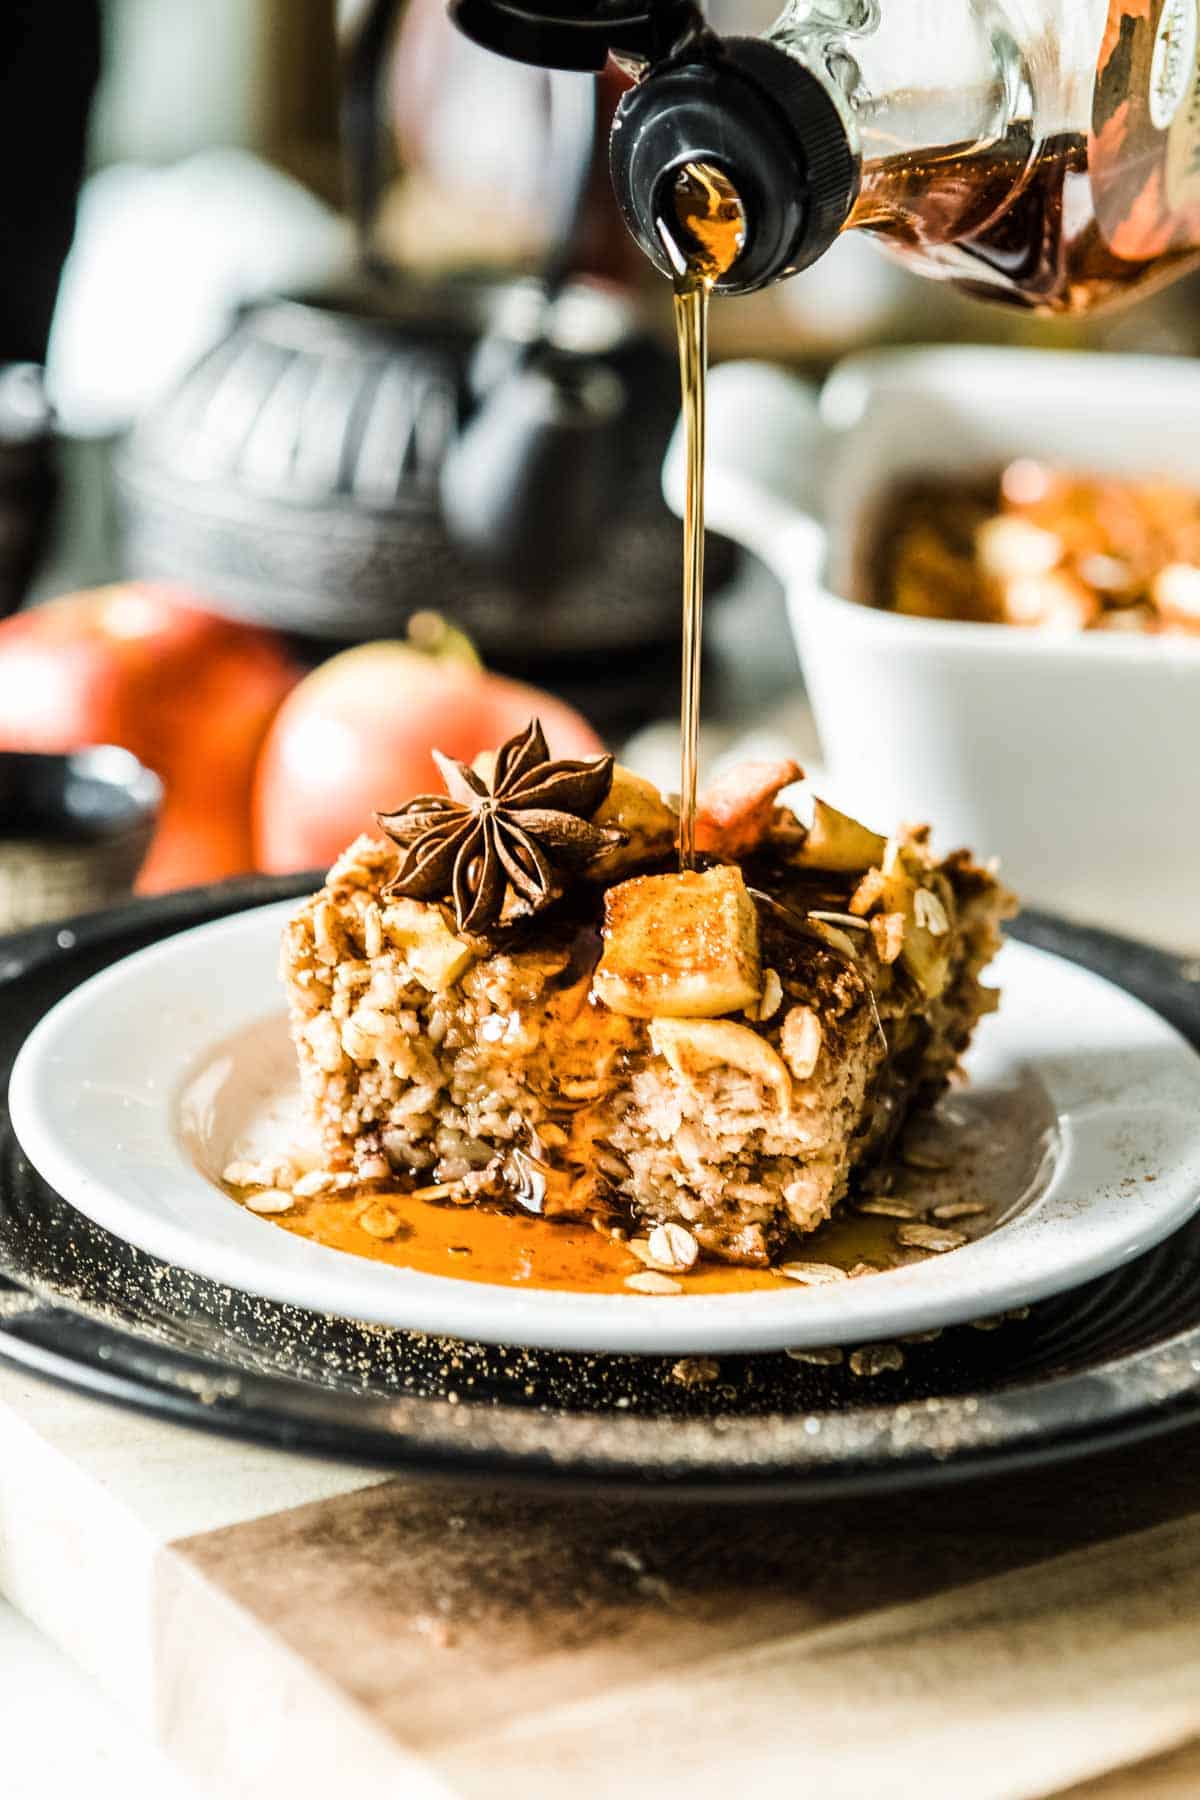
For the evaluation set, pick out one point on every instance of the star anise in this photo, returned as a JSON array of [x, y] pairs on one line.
[[518, 830]]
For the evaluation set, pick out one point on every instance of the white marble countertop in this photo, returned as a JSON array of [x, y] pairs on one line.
[[62, 1737]]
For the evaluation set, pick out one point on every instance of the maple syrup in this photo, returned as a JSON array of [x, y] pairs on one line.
[[989, 1148], [1022, 232], [704, 240]]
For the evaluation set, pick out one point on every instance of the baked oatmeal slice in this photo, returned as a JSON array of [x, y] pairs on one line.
[[718, 1049]]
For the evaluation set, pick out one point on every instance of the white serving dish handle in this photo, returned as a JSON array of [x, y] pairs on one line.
[[764, 441]]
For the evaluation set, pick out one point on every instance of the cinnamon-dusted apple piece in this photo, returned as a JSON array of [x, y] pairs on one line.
[[648, 827], [838, 843], [680, 946], [738, 810]]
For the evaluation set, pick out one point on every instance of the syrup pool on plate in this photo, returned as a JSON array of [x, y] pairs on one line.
[[975, 1151]]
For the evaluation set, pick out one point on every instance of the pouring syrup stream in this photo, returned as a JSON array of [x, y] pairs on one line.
[[703, 241]]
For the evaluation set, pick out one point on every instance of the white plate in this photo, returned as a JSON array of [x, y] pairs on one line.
[[133, 1090]]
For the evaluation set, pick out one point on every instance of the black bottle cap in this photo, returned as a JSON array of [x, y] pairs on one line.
[[768, 124], [574, 34]]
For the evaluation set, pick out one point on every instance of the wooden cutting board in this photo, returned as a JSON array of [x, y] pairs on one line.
[[279, 1624]]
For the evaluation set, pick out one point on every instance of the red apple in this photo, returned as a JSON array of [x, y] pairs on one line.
[[191, 695], [355, 739]]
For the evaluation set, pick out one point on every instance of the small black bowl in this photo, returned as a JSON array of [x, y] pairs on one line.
[[74, 831]]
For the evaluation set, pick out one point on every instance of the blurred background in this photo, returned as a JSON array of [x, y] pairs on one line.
[[267, 265]]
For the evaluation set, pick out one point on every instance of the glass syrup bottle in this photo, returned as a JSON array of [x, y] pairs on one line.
[[1040, 152]]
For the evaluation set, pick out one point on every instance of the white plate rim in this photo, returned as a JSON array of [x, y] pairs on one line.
[[1091, 1219]]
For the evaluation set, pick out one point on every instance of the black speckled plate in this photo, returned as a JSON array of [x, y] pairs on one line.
[[1112, 1361]]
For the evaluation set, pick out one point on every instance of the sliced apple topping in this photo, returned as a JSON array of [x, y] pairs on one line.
[[436, 957], [680, 946], [738, 811], [634, 807], [694, 1046], [923, 900], [838, 843]]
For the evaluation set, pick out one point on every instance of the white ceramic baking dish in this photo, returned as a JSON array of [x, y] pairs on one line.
[[1074, 759]]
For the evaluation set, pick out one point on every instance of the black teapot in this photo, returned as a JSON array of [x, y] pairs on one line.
[[490, 448], [330, 468]]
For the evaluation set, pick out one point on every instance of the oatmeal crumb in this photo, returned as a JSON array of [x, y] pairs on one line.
[[820, 1357], [884, 1208], [373, 931], [876, 1359], [994, 1321], [769, 1001], [852, 920], [800, 1041], [317, 1181], [241, 1174], [269, 1200], [811, 1274], [929, 1237], [379, 1221], [930, 913], [888, 931], [325, 933], [923, 1160], [279, 1173], [649, 1281], [672, 1247], [695, 1371], [959, 1209]]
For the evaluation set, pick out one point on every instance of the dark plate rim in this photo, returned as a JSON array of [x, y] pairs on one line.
[[71, 1351], [1134, 1396]]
